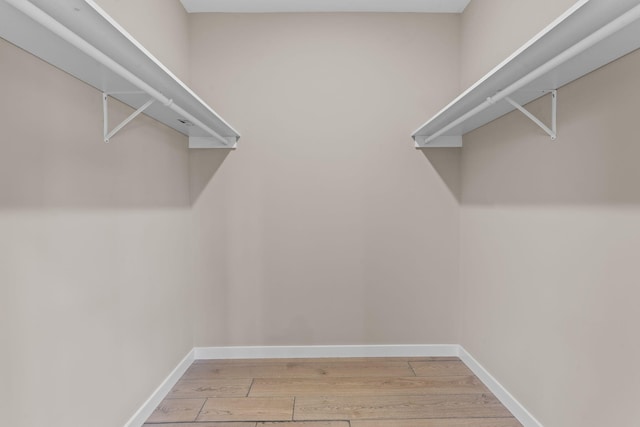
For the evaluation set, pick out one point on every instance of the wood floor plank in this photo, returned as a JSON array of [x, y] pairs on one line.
[[258, 369], [366, 386], [247, 409], [212, 387], [435, 359], [467, 422], [176, 410], [399, 407], [202, 425], [307, 424], [440, 369], [332, 392]]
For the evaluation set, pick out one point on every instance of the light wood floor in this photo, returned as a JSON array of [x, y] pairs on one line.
[[380, 392]]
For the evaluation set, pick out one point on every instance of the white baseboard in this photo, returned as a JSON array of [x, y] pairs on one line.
[[503, 395], [320, 351], [161, 392]]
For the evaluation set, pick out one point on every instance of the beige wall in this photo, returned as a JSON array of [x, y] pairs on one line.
[[326, 226], [95, 299], [549, 236]]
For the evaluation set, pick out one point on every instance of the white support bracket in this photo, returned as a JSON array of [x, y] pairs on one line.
[[552, 132], [105, 108]]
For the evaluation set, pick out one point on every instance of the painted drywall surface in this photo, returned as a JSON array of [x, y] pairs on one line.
[[160, 26], [549, 237], [494, 29], [326, 226], [94, 250]]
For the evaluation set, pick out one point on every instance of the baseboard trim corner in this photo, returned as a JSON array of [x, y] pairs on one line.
[[323, 351], [503, 395], [147, 408]]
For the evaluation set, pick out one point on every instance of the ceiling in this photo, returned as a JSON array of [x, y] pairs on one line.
[[271, 6]]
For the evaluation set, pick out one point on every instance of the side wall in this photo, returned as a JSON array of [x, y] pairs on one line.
[[94, 248], [549, 235], [326, 226]]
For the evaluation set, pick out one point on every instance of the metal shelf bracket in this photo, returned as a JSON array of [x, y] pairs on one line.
[[552, 132], [105, 109]]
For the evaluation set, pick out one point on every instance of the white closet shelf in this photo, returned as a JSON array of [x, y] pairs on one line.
[[591, 34], [78, 37]]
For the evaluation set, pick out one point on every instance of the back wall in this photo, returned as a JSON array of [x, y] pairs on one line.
[[326, 226]]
